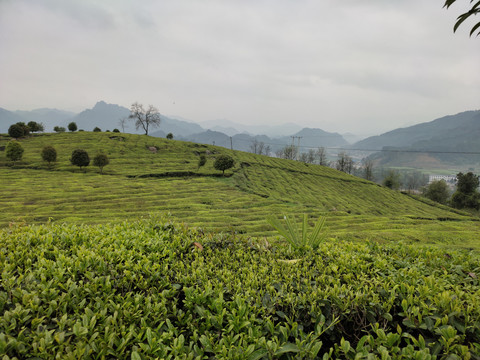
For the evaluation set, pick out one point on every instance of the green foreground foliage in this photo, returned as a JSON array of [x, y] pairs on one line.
[[154, 289]]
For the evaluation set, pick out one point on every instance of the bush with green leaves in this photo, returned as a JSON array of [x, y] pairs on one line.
[[35, 127], [101, 160], [80, 158], [223, 162], [97, 129], [169, 136], [437, 191], [18, 130], [72, 126], [392, 180], [14, 151], [153, 289], [467, 195], [59, 129], [49, 154]]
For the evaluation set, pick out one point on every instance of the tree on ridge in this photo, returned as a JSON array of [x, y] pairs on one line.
[[144, 118]]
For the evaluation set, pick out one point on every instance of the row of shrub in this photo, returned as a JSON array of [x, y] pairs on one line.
[[14, 152], [153, 289], [20, 129]]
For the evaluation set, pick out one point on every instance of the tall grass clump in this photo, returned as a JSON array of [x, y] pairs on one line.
[[300, 241]]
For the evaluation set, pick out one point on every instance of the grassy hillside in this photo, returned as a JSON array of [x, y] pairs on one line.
[[139, 182]]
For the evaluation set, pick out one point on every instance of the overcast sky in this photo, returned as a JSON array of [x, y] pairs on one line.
[[360, 66]]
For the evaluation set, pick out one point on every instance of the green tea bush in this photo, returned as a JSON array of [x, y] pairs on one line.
[[14, 151], [49, 154], [223, 162], [80, 158], [153, 289], [17, 130], [101, 160], [72, 126]]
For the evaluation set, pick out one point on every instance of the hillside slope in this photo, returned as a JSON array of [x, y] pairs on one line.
[[462, 123], [445, 141], [138, 182]]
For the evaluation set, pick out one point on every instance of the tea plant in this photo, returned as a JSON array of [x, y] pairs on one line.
[[146, 289]]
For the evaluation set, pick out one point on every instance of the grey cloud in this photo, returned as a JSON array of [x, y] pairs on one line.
[[263, 60]]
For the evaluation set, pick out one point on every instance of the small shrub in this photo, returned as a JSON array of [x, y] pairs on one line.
[[116, 130], [223, 162], [49, 154], [97, 129], [14, 151], [72, 126], [101, 160], [80, 158], [169, 136], [59, 129]]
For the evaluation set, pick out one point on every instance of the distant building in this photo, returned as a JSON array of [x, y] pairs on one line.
[[452, 179]]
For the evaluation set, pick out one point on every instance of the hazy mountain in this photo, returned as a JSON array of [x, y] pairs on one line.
[[179, 128], [313, 138], [353, 138], [310, 138], [48, 117], [210, 137], [231, 128], [449, 140], [405, 137], [8, 118], [103, 115]]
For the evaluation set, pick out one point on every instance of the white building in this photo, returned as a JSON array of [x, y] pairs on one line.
[[452, 179]]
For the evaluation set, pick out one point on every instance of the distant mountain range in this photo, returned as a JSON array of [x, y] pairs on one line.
[[450, 140], [108, 116]]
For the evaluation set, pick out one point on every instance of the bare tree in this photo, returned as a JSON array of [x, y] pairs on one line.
[[122, 122], [344, 163], [144, 118], [303, 158], [368, 169], [268, 150], [308, 157], [289, 152], [257, 147], [322, 156]]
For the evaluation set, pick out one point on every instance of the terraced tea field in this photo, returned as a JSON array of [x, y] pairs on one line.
[[139, 182], [92, 266]]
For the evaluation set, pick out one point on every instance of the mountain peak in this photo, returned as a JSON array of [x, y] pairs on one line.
[[101, 105]]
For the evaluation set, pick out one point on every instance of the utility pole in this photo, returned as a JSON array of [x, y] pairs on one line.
[[298, 146]]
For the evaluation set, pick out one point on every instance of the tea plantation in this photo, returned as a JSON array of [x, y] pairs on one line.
[[138, 182], [93, 267], [153, 289]]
